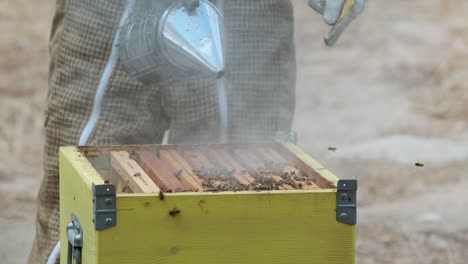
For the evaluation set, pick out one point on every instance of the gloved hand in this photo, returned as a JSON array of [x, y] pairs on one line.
[[339, 14]]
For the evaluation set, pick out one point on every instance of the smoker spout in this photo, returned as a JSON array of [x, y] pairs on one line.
[[193, 38], [186, 37]]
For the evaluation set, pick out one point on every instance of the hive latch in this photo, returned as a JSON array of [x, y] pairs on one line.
[[104, 200], [346, 202], [75, 240]]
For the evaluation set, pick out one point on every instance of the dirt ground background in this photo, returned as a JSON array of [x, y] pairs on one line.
[[392, 92]]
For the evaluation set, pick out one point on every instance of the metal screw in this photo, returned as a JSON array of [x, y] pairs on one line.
[[343, 216], [109, 221], [108, 200], [344, 196]]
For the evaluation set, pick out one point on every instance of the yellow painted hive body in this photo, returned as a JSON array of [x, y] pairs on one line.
[[283, 226]]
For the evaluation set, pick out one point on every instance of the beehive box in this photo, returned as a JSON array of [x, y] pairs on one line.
[[263, 203]]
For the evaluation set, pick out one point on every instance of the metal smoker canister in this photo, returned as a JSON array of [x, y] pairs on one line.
[[184, 38]]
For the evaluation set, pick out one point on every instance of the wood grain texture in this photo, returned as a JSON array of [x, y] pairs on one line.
[[270, 154], [284, 227], [235, 165], [324, 178], [118, 182], [132, 175], [223, 161], [186, 177], [158, 170], [195, 159], [76, 179], [253, 163], [178, 157]]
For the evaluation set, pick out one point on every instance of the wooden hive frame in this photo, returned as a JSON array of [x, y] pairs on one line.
[[151, 169]]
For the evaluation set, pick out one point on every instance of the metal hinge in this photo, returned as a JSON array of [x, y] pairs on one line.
[[75, 240], [346, 201], [104, 200]]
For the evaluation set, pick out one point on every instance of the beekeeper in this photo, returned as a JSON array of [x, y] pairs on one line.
[[92, 101]]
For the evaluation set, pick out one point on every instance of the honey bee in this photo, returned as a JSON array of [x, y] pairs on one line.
[[158, 153], [133, 155], [419, 164], [174, 212], [332, 149], [161, 195]]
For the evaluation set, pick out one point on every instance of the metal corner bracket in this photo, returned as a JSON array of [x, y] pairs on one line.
[[346, 202], [104, 206]]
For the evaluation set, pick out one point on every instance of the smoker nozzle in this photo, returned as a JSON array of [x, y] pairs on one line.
[[187, 37]]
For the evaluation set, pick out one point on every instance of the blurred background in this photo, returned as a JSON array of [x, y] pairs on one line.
[[390, 94]]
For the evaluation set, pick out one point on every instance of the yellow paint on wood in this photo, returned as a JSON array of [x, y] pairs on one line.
[[76, 178], [280, 227]]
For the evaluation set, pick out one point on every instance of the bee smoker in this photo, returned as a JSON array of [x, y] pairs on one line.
[[183, 37]]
